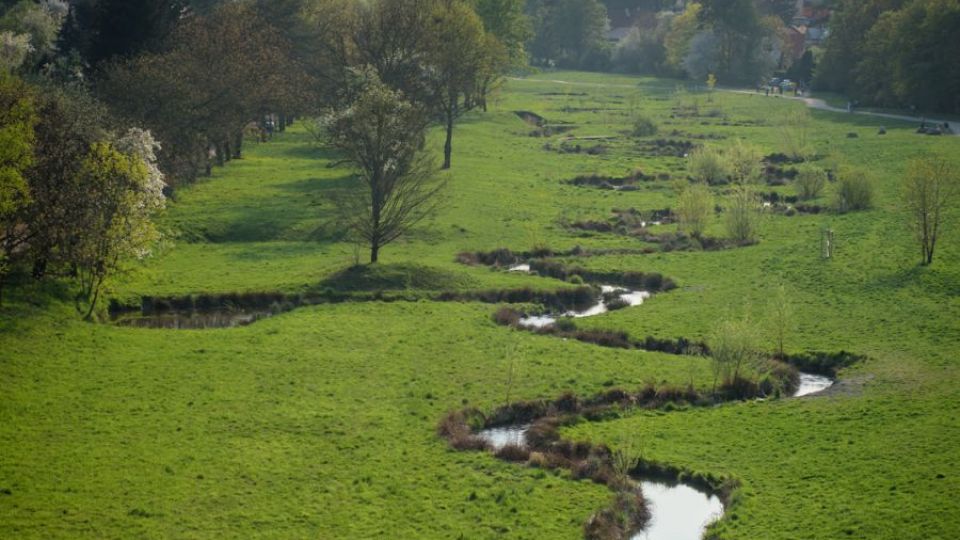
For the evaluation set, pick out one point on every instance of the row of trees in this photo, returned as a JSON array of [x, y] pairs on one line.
[[80, 187], [740, 41], [77, 191], [894, 53]]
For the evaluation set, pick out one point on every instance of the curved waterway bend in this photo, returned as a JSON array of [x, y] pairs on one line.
[[679, 512], [630, 298], [809, 382]]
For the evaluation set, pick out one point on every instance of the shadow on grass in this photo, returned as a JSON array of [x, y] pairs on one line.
[[393, 277]]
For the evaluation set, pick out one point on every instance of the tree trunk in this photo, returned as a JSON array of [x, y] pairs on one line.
[[281, 122], [238, 145], [374, 251], [218, 149], [227, 151], [448, 146]]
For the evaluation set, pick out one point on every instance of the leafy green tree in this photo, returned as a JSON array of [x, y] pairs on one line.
[[682, 30], [382, 134], [506, 20], [567, 31], [744, 39], [845, 46], [116, 223], [907, 61], [455, 63], [17, 119]]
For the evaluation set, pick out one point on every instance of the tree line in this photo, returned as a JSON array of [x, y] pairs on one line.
[[108, 105], [895, 53]]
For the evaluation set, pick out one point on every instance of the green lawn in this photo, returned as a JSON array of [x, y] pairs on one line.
[[321, 422]]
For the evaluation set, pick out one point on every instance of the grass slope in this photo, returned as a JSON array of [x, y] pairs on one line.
[[320, 422]]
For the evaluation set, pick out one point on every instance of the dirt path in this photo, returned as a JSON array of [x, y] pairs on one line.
[[813, 103]]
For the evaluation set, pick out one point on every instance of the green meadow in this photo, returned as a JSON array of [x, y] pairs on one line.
[[321, 421]]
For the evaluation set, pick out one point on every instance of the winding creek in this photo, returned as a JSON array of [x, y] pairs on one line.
[[679, 511]]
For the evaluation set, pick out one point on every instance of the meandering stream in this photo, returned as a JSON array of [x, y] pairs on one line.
[[679, 511]]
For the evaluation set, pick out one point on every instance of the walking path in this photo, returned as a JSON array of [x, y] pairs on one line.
[[813, 103]]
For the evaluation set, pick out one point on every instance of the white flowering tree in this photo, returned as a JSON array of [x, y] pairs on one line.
[[125, 190]]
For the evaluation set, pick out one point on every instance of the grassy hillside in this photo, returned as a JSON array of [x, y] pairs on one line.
[[321, 421]]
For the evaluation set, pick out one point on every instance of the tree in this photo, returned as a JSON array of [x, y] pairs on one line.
[[740, 32], [39, 24], [930, 188], [682, 30], [734, 346], [694, 208], [107, 29], [382, 135], [781, 319], [17, 119], [844, 47], [506, 21], [69, 122], [567, 31], [455, 63], [703, 56], [116, 224]]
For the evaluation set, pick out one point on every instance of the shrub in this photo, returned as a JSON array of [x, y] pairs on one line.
[[694, 207], [734, 347], [742, 215], [744, 162], [506, 316], [708, 166], [854, 191], [513, 452], [644, 127], [810, 183]]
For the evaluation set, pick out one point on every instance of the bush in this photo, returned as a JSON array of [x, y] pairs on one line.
[[694, 207], [644, 127], [742, 215], [810, 183], [709, 166], [854, 191], [744, 162]]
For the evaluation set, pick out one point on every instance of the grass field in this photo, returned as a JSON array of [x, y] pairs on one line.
[[320, 422]]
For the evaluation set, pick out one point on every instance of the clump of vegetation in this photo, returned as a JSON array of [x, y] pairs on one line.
[[742, 215], [795, 135], [643, 126], [734, 347], [810, 183], [694, 208], [709, 166], [854, 191], [744, 162]]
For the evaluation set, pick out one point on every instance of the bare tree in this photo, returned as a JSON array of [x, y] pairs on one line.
[[929, 188], [382, 135]]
